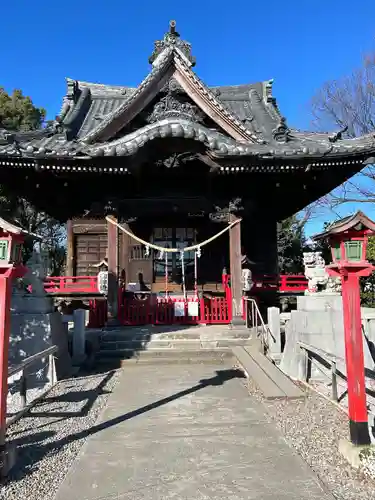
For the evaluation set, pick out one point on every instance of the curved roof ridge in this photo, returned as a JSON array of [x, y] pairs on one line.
[[99, 86], [118, 112], [220, 105]]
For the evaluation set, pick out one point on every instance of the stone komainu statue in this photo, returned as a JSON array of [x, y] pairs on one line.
[[315, 272]]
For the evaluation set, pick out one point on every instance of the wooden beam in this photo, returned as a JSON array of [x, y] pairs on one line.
[[70, 253], [207, 160], [236, 271], [112, 253], [124, 255]]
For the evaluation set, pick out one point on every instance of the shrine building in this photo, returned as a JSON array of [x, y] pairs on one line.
[[173, 161]]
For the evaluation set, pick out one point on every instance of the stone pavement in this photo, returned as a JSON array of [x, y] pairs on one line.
[[187, 432]]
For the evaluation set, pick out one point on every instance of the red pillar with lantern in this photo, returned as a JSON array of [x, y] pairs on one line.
[[348, 241], [11, 244]]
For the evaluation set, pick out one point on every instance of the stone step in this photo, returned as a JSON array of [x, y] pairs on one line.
[[171, 343], [164, 356], [189, 334]]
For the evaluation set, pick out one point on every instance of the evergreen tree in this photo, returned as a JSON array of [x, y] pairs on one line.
[[18, 113], [291, 242]]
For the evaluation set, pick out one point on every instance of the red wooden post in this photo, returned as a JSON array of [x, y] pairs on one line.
[[358, 419], [355, 366], [5, 298]]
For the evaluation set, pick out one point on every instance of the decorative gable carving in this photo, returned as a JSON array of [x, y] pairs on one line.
[[175, 104]]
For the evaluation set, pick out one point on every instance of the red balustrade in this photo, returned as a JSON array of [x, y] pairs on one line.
[[293, 283], [213, 310], [285, 283], [168, 311], [98, 313], [71, 284], [88, 284]]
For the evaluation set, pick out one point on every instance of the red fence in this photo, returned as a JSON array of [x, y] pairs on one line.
[[167, 311], [285, 283], [293, 283], [71, 284], [98, 313], [88, 284]]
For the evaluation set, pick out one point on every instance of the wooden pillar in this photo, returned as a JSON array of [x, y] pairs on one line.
[[112, 253], [70, 249], [124, 256], [236, 271]]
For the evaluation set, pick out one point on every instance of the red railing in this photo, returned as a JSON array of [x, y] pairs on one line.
[[285, 283], [88, 284], [71, 284], [293, 283], [165, 311], [98, 313], [168, 311]]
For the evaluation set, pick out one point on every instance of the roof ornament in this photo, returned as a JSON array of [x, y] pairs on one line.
[[281, 133], [338, 135], [6, 137], [223, 214], [172, 39]]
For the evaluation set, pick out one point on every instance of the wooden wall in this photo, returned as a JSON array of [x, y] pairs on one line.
[[87, 242]]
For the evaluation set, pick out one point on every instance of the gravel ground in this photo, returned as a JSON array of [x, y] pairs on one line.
[[40, 383], [314, 427], [49, 439]]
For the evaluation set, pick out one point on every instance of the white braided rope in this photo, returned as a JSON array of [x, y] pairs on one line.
[[173, 250]]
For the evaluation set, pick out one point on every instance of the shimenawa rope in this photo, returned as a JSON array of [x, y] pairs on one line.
[[172, 250]]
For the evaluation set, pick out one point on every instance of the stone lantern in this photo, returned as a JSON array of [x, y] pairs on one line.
[[348, 241]]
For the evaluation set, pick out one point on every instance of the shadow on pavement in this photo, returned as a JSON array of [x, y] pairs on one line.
[[34, 450]]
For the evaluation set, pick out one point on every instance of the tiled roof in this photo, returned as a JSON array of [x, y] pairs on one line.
[[248, 122]]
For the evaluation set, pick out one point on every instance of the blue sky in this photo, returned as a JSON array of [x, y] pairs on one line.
[[301, 44]]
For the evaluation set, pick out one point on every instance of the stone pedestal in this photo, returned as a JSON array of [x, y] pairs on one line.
[[273, 320], [79, 337], [35, 326], [318, 321]]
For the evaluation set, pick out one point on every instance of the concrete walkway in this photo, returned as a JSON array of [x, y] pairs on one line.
[[185, 432]]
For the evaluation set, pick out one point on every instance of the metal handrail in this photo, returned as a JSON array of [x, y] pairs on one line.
[[331, 359], [320, 352], [256, 315], [327, 356], [23, 380], [28, 361]]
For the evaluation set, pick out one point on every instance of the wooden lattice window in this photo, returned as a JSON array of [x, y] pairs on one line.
[[4, 249], [17, 253]]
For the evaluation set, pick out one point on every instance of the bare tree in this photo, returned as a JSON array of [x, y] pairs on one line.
[[349, 104], [52, 232]]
